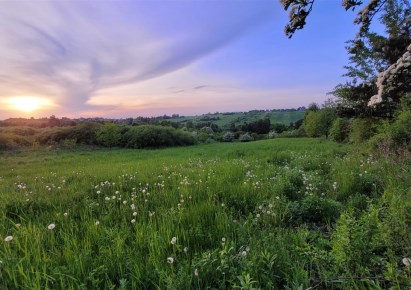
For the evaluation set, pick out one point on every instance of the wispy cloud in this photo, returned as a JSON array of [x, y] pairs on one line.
[[72, 50]]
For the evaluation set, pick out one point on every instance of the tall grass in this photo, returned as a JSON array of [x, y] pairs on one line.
[[273, 214]]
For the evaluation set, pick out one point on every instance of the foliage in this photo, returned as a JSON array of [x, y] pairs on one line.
[[246, 138], [261, 126], [339, 130], [363, 129], [109, 135], [84, 133], [228, 137], [394, 136], [318, 123], [150, 136]]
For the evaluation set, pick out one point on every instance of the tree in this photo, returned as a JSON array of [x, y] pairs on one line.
[[379, 66], [318, 123]]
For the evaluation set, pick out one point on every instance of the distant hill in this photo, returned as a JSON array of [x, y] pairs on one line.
[[224, 120]]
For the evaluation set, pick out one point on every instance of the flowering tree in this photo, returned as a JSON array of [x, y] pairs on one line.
[[379, 66]]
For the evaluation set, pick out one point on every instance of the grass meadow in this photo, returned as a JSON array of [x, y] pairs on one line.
[[272, 214]]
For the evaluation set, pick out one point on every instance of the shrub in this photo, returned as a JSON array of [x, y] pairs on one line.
[[339, 130], [6, 142], [363, 129], [228, 137], [109, 135], [84, 133], [151, 136], [246, 138], [208, 130], [272, 134]]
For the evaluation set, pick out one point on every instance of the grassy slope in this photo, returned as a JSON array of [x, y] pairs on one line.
[[239, 118], [273, 201]]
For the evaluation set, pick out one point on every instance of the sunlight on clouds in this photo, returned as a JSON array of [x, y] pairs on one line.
[[28, 104]]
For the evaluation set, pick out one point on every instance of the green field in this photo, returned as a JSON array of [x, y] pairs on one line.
[[224, 120], [272, 214]]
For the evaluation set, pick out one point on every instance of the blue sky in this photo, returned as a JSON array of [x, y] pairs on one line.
[[148, 58]]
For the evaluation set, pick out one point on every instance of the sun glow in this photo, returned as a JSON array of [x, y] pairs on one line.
[[28, 104]]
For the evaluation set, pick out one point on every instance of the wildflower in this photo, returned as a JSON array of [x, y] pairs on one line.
[[8, 238], [244, 253], [134, 213], [65, 214], [406, 262], [185, 249], [223, 240], [258, 215], [173, 240], [196, 272], [97, 223], [170, 260], [51, 226], [133, 221]]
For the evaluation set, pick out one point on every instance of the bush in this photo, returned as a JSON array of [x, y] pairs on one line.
[[84, 133], [246, 138], [395, 136], [228, 137], [109, 135], [272, 134], [6, 142], [151, 136], [363, 129], [9, 141], [339, 130]]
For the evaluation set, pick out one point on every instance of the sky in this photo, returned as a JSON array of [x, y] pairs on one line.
[[120, 59]]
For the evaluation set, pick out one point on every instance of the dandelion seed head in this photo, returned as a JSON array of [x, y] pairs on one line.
[[173, 240], [8, 238], [51, 226], [170, 260]]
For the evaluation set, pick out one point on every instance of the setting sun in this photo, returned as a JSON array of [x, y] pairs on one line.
[[28, 104]]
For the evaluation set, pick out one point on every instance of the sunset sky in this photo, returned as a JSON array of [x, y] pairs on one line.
[[149, 58]]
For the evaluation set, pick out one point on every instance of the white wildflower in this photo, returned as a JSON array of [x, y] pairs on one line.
[[51, 226], [173, 240], [8, 238], [170, 260]]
